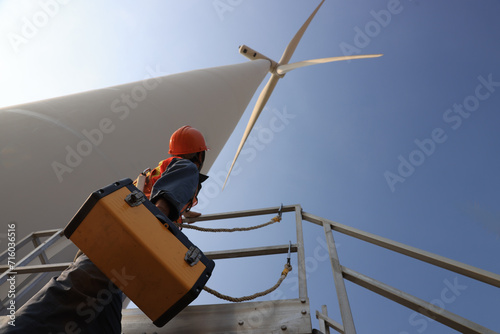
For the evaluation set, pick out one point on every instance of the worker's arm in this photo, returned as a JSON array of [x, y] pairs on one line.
[[191, 214], [176, 187], [164, 207]]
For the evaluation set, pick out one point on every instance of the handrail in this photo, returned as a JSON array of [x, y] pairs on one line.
[[445, 317], [437, 260]]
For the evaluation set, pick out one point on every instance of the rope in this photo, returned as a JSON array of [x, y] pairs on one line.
[[285, 271], [236, 229]]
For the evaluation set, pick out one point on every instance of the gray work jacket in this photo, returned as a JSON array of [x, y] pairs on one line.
[[178, 185]]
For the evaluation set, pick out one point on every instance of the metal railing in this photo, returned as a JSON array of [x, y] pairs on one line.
[[32, 274], [427, 309], [340, 273]]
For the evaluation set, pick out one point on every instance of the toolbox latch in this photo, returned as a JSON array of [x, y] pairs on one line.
[[193, 255], [135, 198]]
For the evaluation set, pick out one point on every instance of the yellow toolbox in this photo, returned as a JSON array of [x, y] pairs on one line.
[[123, 233]]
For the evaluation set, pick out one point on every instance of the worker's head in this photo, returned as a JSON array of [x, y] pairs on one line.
[[189, 143]]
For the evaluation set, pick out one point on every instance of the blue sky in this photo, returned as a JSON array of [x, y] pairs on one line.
[[404, 146]]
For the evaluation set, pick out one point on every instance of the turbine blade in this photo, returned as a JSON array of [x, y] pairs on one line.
[[268, 89], [290, 49], [259, 106], [282, 69]]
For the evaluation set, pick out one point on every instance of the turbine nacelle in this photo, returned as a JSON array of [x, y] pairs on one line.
[[253, 55]]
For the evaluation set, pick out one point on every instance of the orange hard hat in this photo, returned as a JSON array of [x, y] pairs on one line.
[[187, 140]]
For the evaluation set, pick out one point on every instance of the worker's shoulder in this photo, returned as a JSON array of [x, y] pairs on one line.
[[180, 163]]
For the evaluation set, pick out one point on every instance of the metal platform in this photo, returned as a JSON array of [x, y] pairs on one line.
[[280, 316]]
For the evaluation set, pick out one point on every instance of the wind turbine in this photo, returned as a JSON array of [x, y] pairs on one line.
[[59, 150], [278, 71], [69, 146]]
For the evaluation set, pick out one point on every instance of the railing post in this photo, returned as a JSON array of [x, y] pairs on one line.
[[326, 323], [301, 256], [345, 308], [323, 327], [43, 258]]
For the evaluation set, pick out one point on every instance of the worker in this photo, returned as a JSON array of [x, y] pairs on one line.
[[187, 146], [82, 299]]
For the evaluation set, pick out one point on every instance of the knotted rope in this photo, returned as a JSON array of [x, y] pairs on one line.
[[236, 229], [285, 272]]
